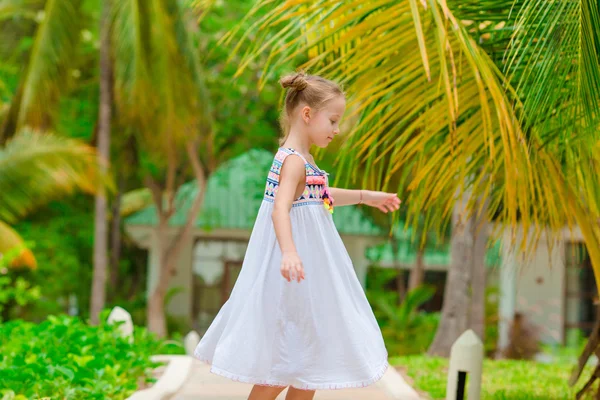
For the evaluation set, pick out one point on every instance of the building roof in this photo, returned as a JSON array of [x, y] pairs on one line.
[[434, 255]]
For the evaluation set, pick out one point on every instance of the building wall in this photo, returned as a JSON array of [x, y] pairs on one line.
[[540, 290]]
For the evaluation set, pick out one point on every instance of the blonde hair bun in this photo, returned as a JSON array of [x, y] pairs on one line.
[[312, 90], [295, 81]]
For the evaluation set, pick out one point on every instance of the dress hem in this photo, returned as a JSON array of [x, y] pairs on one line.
[[270, 382]]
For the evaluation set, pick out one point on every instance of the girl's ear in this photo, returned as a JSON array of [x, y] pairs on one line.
[[306, 114]]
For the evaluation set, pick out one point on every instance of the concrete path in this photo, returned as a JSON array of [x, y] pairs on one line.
[[204, 385]]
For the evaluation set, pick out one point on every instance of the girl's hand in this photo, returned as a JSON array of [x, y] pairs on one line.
[[291, 266], [382, 200]]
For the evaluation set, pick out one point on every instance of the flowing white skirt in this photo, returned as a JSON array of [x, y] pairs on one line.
[[317, 334]]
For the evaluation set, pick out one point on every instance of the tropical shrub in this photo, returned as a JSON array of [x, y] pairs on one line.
[[65, 358]]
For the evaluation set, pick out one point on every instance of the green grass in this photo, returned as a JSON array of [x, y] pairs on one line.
[[502, 380]]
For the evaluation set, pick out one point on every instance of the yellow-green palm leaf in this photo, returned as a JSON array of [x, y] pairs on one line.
[[433, 107], [158, 79], [47, 74], [12, 8], [135, 201], [430, 100], [35, 168], [13, 247]]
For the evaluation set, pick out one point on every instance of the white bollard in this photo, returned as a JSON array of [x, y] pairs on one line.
[[466, 357], [190, 342], [120, 314]]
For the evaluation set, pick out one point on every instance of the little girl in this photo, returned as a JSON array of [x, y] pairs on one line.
[[297, 315]]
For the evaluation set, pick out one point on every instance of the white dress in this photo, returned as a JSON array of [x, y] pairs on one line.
[[317, 334]]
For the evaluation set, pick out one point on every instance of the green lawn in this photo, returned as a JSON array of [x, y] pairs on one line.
[[502, 380]]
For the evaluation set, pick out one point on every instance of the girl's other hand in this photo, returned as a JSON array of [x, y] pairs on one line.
[[291, 266], [382, 200]]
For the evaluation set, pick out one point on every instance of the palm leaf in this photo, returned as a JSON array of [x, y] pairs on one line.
[[47, 72], [435, 108], [553, 61], [135, 200], [417, 109], [36, 168], [12, 8], [13, 247], [157, 80], [132, 53]]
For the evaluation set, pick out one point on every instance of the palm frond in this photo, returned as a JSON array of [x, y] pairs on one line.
[[12, 8], [553, 61], [155, 70], [47, 73], [135, 200], [132, 54], [429, 111], [435, 110], [35, 168], [12, 247]]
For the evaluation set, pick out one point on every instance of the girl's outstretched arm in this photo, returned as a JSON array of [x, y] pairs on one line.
[[291, 176], [382, 200]]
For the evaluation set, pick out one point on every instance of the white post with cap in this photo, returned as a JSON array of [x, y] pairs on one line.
[[466, 358]]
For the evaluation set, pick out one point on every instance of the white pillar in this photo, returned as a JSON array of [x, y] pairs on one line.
[[508, 291]]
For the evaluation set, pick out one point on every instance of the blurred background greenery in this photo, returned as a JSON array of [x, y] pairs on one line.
[[479, 114]]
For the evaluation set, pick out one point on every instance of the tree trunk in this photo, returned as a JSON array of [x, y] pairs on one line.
[[400, 286], [157, 322], [115, 236], [168, 254], [480, 238], [100, 221], [418, 272], [454, 318]]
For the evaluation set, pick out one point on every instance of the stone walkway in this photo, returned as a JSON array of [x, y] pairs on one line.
[[204, 385]]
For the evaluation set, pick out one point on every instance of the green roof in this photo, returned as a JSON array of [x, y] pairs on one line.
[[233, 196], [434, 255]]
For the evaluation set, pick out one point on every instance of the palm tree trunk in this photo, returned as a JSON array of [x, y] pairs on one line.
[[454, 319], [418, 272], [100, 221], [115, 237], [480, 237]]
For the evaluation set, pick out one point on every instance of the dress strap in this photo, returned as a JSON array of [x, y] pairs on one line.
[[289, 150]]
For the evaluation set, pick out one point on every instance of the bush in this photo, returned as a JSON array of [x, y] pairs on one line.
[[405, 329], [64, 358]]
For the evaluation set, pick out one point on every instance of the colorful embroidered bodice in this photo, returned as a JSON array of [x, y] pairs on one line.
[[316, 189]]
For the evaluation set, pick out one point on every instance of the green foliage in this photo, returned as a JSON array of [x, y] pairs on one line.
[[62, 236], [245, 116], [490, 344], [502, 380], [405, 329], [63, 357], [18, 291], [15, 286]]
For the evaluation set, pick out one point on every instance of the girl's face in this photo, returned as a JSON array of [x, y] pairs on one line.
[[324, 124]]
